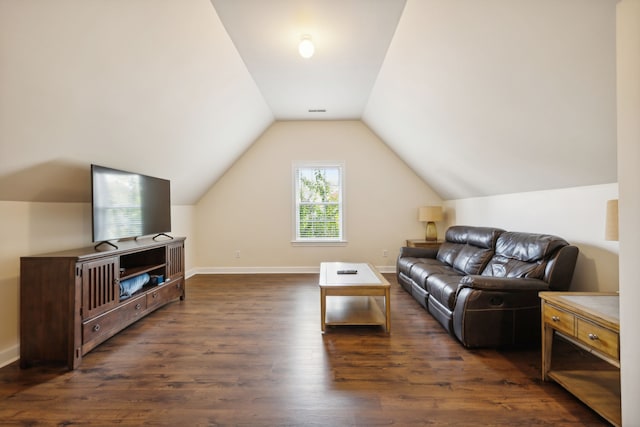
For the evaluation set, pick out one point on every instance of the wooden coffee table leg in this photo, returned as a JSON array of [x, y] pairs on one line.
[[323, 308], [387, 309]]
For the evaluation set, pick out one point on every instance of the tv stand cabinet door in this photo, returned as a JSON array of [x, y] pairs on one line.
[[49, 311], [100, 286], [175, 259], [175, 263]]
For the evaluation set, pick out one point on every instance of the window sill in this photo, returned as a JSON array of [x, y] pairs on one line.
[[319, 243]]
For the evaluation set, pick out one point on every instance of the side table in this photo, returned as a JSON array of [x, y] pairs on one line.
[[591, 321]]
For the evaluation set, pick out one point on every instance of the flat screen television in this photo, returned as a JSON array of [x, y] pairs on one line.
[[126, 204]]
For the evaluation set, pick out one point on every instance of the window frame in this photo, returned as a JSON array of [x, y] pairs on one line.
[[296, 240]]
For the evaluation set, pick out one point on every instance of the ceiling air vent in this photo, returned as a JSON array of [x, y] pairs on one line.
[[317, 110]]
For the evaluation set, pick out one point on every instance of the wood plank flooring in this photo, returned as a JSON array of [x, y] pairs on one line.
[[246, 350]]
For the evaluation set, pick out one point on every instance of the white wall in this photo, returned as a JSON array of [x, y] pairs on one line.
[[30, 228], [628, 62], [250, 207], [26, 229], [576, 214]]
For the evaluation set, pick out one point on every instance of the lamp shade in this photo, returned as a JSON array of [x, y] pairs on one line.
[[611, 225], [430, 213]]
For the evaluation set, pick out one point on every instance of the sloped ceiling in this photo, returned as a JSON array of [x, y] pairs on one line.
[[154, 87], [478, 98], [493, 97]]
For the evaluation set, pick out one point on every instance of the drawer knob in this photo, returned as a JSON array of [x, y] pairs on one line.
[[154, 295], [138, 306], [593, 337], [96, 328], [555, 318]]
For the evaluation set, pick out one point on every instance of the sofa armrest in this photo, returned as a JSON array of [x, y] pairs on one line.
[[406, 251], [490, 283]]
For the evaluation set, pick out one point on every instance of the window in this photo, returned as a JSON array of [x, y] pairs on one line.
[[319, 202]]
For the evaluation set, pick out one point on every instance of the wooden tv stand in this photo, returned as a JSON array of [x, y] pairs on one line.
[[70, 301]]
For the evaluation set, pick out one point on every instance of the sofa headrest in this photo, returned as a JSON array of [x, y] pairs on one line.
[[456, 234], [481, 237], [528, 247]]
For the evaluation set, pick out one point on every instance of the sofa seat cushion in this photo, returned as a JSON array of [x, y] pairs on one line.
[[501, 266], [405, 264], [421, 271], [443, 288]]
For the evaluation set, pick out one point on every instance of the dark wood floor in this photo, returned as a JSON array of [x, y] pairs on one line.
[[246, 350]]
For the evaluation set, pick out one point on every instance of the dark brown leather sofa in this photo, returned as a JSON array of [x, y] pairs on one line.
[[482, 283]]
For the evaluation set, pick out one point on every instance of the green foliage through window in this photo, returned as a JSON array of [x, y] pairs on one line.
[[319, 203]]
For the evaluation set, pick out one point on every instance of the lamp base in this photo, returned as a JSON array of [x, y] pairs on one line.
[[432, 232]]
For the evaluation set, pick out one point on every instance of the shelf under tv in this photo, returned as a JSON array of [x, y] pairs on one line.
[[136, 271]]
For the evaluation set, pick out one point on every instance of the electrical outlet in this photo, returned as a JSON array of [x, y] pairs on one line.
[[238, 253], [385, 253]]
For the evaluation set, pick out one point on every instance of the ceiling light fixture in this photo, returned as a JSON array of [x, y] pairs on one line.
[[306, 47]]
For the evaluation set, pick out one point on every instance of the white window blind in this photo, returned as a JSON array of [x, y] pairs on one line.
[[319, 209]]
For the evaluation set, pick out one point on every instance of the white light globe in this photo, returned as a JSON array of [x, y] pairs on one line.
[[306, 47]]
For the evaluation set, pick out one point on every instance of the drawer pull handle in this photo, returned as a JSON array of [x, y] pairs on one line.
[[96, 328], [593, 337], [154, 295], [555, 318], [138, 306]]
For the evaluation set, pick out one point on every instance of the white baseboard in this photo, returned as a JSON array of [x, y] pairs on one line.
[[190, 272], [271, 270], [9, 355]]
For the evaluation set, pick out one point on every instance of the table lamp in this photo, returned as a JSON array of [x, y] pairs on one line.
[[430, 214]]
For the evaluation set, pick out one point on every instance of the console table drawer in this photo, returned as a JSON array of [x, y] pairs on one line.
[[559, 319], [600, 338]]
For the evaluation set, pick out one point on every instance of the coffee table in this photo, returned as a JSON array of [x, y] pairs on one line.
[[356, 295]]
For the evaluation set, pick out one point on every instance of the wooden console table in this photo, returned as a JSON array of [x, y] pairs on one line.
[[590, 321], [418, 243]]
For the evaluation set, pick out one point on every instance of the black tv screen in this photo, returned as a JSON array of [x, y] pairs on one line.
[[126, 204]]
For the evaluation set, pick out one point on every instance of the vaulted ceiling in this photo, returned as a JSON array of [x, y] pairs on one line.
[[478, 98], [351, 39]]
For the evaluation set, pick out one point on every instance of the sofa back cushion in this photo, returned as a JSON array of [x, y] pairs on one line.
[[471, 259], [522, 255], [467, 248], [454, 240]]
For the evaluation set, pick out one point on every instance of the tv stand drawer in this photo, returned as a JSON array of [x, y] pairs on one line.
[[164, 293], [100, 328]]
